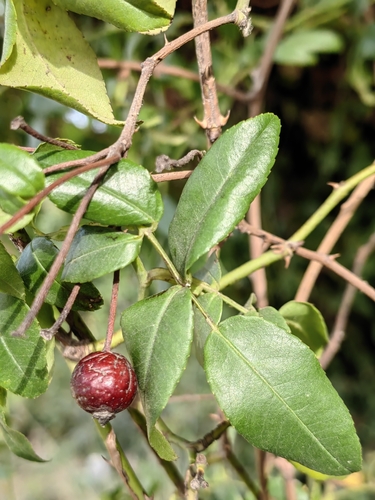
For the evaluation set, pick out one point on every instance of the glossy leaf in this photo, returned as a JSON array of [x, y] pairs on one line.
[[127, 197], [149, 16], [18, 443], [306, 323], [274, 392], [33, 266], [210, 272], [213, 305], [49, 56], [22, 360], [20, 179], [97, 251], [158, 332], [221, 188], [10, 280], [301, 48]]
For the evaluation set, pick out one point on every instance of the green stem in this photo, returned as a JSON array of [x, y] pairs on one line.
[[270, 257], [142, 277], [132, 480], [213, 325], [169, 467], [165, 257], [197, 284]]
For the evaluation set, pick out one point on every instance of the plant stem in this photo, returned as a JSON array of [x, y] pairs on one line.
[[112, 311], [197, 284], [150, 235], [126, 472], [270, 257]]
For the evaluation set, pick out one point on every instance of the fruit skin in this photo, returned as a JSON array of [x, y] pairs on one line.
[[103, 384]]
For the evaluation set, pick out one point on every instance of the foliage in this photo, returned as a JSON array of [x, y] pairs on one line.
[[79, 214]]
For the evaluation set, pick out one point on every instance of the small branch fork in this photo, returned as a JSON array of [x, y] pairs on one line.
[[115, 152]]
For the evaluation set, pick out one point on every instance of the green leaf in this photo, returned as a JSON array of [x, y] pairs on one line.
[[3, 400], [273, 316], [161, 445], [274, 392], [51, 57], [213, 305], [130, 15], [306, 323], [10, 31], [301, 48], [158, 332], [210, 272], [10, 280], [18, 443], [33, 266], [22, 360], [21, 178], [127, 197], [221, 188], [97, 251]]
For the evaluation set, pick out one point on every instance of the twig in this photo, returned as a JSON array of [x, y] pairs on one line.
[[55, 268], [20, 122], [338, 332], [48, 333], [169, 467], [163, 162], [124, 142], [285, 248], [112, 311], [77, 163], [239, 468], [213, 120], [346, 213], [42, 194]]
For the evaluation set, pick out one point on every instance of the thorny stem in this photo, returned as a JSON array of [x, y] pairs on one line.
[[55, 268], [112, 311], [270, 257]]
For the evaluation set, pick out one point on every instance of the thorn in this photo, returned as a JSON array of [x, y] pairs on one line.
[[202, 123]]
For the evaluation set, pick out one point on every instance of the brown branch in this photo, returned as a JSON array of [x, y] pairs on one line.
[[213, 120], [346, 213], [112, 311], [163, 162], [20, 122], [338, 332], [58, 262], [49, 333], [45, 192], [288, 248]]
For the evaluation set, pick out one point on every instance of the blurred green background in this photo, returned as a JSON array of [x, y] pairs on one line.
[[324, 94]]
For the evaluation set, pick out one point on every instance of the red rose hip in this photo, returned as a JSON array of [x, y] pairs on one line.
[[103, 384]]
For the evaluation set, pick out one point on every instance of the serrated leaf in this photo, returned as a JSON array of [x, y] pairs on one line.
[[161, 445], [301, 48], [306, 322], [127, 197], [221, 188], [33, 266], [274, 392], [18, 443], [22, 360], [51, 57], [213, 305], [158, 332], [10, 280], [97, 251], [130, 15]]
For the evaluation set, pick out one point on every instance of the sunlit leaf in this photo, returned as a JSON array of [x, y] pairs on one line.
[[10, 279]]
